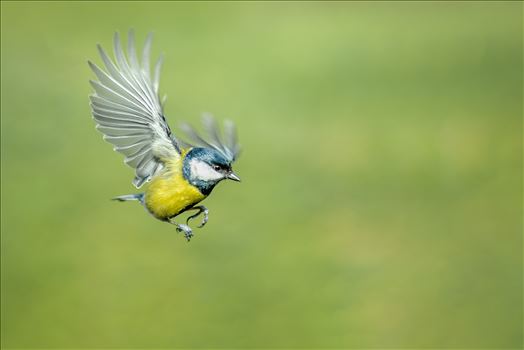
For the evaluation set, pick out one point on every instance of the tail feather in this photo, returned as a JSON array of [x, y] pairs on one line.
[[130, 197]]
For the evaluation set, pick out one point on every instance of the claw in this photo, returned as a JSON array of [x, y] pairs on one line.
[[205, 219], [188, 233]]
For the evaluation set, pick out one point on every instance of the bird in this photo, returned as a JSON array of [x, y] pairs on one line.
[[179, 172]]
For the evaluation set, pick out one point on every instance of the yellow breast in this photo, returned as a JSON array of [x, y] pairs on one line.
[[169, 193]]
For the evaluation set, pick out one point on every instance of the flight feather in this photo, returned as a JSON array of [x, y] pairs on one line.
[[127, 109]]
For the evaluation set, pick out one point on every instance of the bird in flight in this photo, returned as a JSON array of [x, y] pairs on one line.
[[128, 112]]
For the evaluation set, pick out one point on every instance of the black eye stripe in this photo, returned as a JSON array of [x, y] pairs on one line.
[[220, 167]]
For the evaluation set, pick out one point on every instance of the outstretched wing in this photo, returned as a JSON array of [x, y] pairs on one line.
[[127, 109], [226, 144]]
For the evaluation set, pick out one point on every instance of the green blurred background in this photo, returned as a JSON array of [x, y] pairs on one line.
[[382, 179]]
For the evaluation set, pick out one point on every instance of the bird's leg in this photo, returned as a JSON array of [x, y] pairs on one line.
[[188, 233], [201, 209]]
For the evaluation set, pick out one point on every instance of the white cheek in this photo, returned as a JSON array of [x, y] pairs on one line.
[[204, 171]]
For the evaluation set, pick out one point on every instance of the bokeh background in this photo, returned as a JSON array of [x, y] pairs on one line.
[[382, 179]]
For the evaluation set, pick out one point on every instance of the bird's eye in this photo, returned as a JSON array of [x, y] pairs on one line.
[[216, 167]]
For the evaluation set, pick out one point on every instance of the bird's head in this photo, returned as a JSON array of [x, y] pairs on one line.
[[205, 167]]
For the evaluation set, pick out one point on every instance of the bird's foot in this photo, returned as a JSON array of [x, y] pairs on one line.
[[201, 209], [188, 233]]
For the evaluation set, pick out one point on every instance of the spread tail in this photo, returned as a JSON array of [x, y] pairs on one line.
[[130, 197]]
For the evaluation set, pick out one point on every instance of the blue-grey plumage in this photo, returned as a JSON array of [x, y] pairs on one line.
[[206, 181], [127, 109]]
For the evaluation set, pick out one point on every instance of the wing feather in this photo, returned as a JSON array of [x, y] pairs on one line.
[[103, 105], [146, 55], [112, 84], [131, 149], [158, 67], [132, 74], [115, 119], [227, 146], [116, 73], [127, 109]]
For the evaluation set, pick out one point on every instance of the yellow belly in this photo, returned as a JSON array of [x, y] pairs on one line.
[[169, 193]]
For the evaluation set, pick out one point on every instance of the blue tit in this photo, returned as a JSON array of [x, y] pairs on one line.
[[127, 110]]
